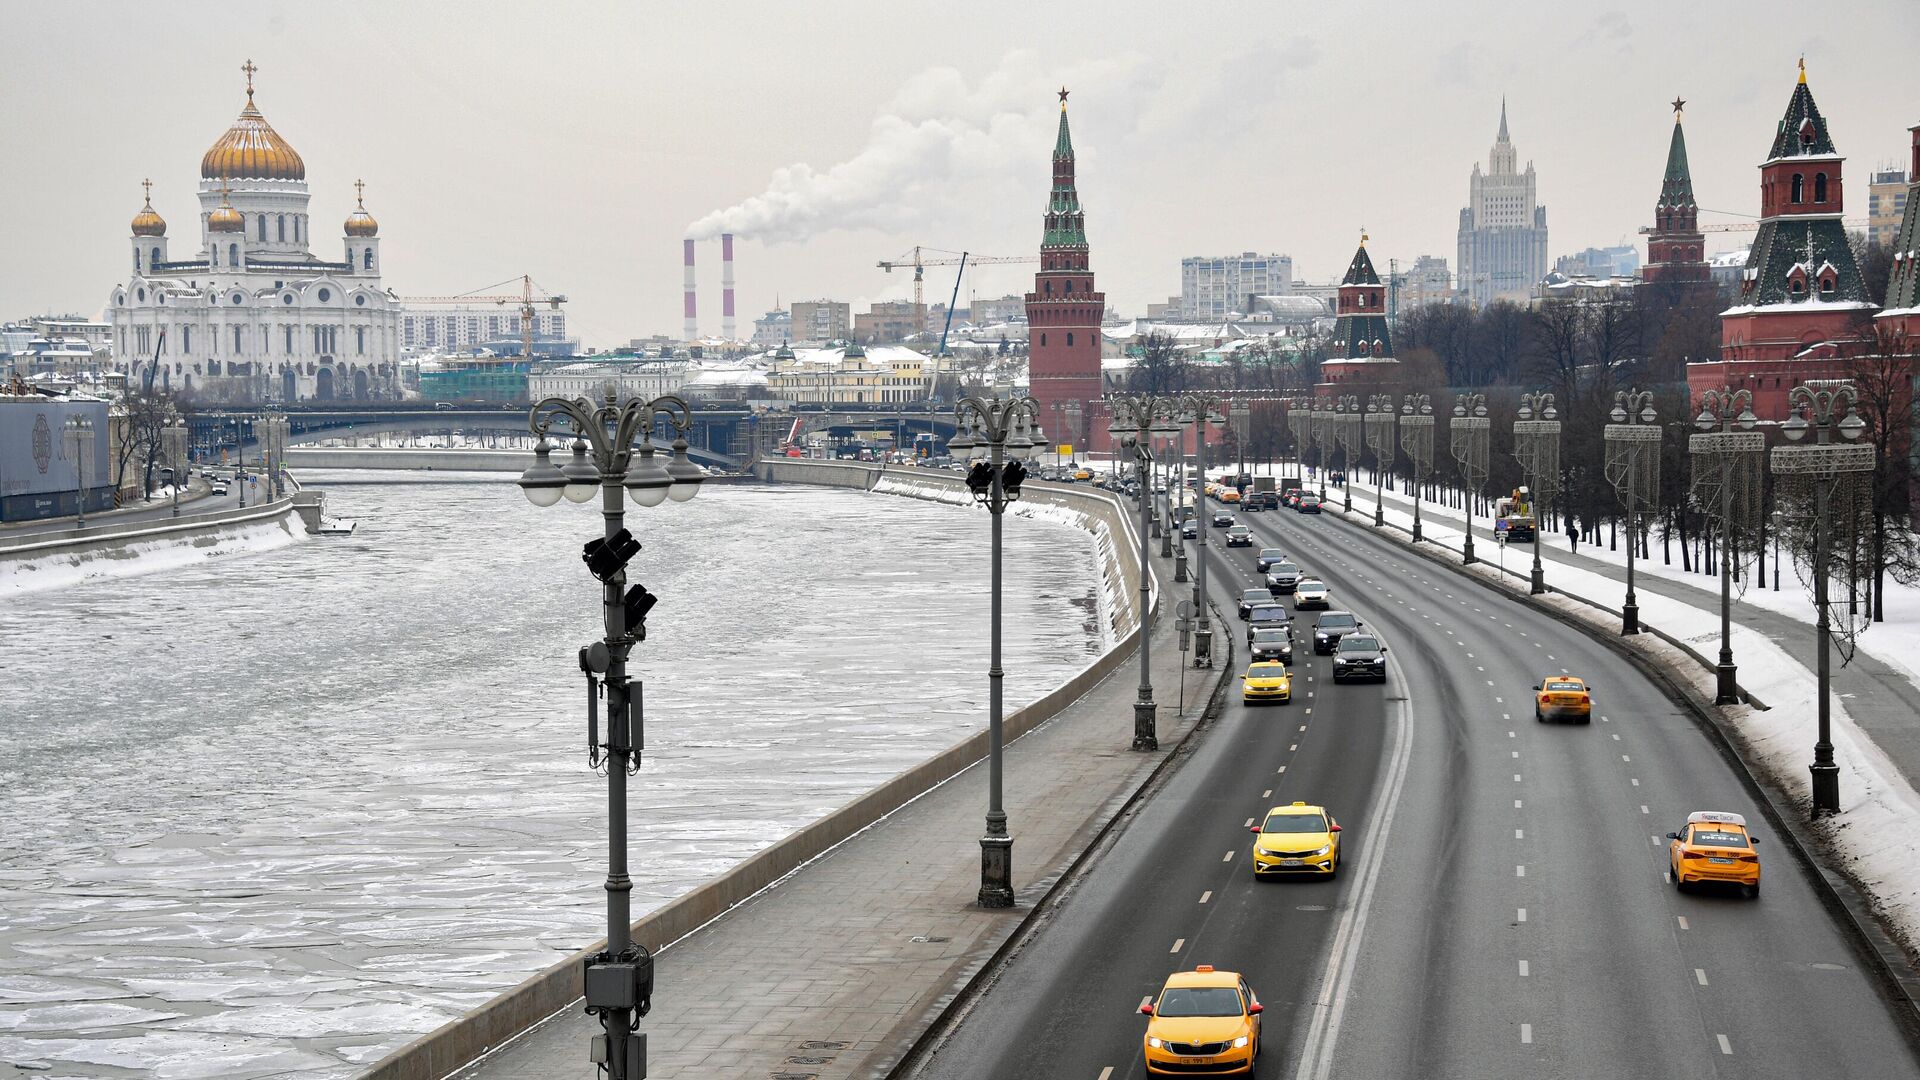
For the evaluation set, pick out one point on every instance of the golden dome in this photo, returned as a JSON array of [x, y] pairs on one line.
[[251, 149], [361, 223], [225, 218], [147, 222]]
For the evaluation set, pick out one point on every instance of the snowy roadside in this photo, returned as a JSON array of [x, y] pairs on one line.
[[1877, 834], [58, 568]]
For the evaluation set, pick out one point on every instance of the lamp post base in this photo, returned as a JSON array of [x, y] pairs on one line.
[[1156, 528], [1727, 687], [1466, 548], [1144, 736], [1826, 787], [1180, 566], [1416, 530], [1537, 580], [1379, 516], [996, 871], [1629, 618]]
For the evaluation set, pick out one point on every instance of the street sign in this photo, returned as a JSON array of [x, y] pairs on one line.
[[1183, 611], [1064, 449]]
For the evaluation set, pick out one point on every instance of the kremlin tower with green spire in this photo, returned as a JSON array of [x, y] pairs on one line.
[[1676, 249], [1064, 312]]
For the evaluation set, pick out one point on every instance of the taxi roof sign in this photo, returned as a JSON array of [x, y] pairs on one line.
[[1716, 817]]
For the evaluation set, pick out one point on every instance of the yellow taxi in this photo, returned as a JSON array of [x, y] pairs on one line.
[[1563, 697], [1296, 839], [1204, 1021], [1083, 473], [1266, 682], [1714, 847]]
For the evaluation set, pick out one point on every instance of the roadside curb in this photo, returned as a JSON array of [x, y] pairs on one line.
[[1842, 896], [903, 1049]]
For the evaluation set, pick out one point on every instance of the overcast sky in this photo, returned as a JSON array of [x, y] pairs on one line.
[[581, 141]]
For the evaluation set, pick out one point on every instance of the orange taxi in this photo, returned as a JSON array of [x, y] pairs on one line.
[[1714, 847], [1204, 1021], [1563, 697]]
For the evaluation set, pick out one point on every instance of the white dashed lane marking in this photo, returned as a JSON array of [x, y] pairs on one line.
[[1700, 976], [1177, 942], [1523, 969], [1683, 922], [1526, 1033], [1725, 1046], [1206, 896]]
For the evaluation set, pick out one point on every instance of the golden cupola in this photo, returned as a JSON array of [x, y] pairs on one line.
[[251, 149], [361, 223], [148, 222], [225, 218]]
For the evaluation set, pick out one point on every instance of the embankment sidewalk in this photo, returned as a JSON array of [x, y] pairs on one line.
[[839, 968]]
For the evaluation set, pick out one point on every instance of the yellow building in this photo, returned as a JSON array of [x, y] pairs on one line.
[[852, 375]]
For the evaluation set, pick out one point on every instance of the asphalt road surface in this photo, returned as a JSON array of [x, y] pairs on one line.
[[1502, 909]]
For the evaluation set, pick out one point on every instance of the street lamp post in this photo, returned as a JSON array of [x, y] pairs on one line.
[[79, 432], [1536, 443], [999, 435], [619, 979], [1379, 430], [1732, 458], [176, 439], [1137, 418], [1320, 436], [1633, 468], [1416, 438], [1346, 429], [1824, 466], [1200, 410], [1469, 437], [1240, 414]]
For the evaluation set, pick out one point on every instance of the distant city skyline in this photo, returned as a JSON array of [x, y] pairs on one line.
[[581, 147]]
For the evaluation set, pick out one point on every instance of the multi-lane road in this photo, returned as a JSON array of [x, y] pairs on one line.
[[1503, 908]]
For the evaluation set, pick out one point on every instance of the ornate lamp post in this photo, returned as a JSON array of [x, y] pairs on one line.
[[1536, 443], [1469, 437], [79, 432], [1240, 415], [1136, 419], [999, 435], [1319, 436], [1825, 466], [1732, 458], [175, 434], [1347, 420], [606, 457], [1633, 468], [1199, 409], [1416, 438], [1379, 429]]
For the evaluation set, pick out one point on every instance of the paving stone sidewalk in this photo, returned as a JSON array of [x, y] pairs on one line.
[[835, 971]]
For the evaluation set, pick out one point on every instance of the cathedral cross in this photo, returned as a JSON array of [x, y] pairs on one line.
[[249, 69]]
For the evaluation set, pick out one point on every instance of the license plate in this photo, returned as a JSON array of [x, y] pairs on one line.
[[1290, 862], [1723, 862]]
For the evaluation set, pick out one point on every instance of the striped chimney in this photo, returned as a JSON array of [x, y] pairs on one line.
[[692, 328], [726, 286]]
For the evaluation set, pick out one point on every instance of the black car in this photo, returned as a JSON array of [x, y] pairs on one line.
[[1267, 557], [1360, 656], [1190, 530], [1272, 643], [1239, 536], [1222, 519], [1309, 504], [1268, 617], [1282, 578], [1253, 597], [1330, 627]]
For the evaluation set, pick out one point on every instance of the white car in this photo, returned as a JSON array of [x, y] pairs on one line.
[[1310, 593]]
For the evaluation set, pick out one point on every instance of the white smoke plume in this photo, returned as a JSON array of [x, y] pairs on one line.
[[941, 146]]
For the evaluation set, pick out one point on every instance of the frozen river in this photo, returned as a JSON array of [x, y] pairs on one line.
[[276, 814]]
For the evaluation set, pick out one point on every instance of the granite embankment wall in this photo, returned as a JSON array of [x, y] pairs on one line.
[[444, 1051], [41, 560]]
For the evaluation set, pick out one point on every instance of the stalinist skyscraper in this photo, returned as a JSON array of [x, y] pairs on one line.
[[1503, 228]]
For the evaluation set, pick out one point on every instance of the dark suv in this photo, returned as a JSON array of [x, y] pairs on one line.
[[1330, 627], [1268, 617], [1272, 643], [1360, 656]]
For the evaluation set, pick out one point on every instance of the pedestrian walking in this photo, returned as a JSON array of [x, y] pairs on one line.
[[1573, 535]]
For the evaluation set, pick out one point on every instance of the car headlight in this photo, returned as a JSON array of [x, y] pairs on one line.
[[1240, 1043], [1154, 1041], [1324, 850]]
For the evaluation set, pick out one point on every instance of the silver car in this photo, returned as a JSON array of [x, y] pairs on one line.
[[1311, 593]]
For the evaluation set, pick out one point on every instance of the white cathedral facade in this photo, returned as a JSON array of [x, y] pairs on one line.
[[254, 315]]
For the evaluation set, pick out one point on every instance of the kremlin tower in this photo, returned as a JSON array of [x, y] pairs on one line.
[[1362, 348], [1064, 312], [1676, 249], [1802, 303], [1900, 322]]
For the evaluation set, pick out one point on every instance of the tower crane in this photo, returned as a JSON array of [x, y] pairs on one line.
[[919, 262], [529, 295], [1745, 226]]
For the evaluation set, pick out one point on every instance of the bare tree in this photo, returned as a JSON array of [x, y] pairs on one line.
[[1883, 383], [1161, 367]]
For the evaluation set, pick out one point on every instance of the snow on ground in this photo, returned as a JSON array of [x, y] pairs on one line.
[[1878, 831], [31, 573]]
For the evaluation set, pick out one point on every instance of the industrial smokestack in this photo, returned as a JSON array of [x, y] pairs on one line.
[[692, 328], [726, 286]]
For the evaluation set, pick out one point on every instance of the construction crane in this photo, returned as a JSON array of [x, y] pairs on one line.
[[919, 263], [529, 295], [1746, 226]]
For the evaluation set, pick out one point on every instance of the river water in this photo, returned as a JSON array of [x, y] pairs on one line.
[[276, 814]]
